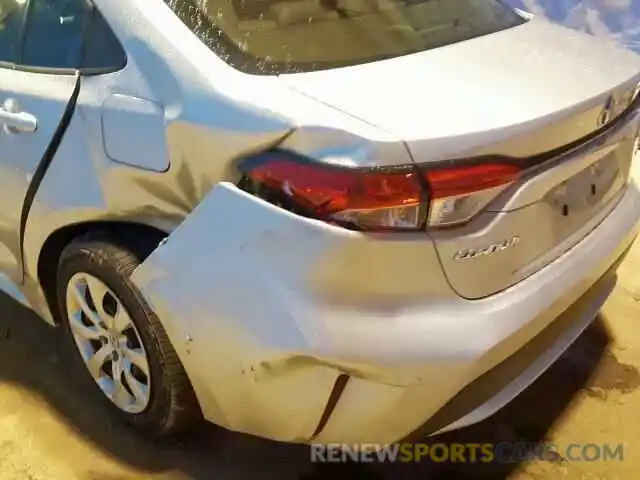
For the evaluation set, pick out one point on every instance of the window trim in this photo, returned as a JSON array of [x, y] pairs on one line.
[[84, 72]]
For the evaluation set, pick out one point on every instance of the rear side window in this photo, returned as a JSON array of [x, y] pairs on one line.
[[102, 50], [54, 34], [58, 35], [289, 36], [12, 16]]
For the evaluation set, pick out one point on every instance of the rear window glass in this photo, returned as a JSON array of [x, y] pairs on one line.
[[289, 36]]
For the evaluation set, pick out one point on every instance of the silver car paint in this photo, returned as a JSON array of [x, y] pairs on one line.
[[295, 302], [46, 99], [210, 124], [298, 302], [437, 100], [538, 201]]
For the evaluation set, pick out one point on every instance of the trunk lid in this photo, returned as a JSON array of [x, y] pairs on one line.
[[538, 92], [520, 92], [541, 217]]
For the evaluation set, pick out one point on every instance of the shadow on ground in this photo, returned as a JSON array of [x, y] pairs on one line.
[[35, 357]]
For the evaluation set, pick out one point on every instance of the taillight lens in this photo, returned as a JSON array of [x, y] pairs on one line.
[[368, 199], [376, 199], [458, 194]]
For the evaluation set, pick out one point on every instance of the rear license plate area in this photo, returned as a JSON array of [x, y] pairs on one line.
[[582, 193]]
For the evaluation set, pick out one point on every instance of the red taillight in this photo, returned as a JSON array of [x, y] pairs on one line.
[[466, 180], [380, 198], [325, 190], [457, 194]]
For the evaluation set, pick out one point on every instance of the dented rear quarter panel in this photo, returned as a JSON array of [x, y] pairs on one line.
[[161, 175], [209, 125], [268, 337]]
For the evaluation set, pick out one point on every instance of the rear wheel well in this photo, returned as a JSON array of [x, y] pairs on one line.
[[128, 232]]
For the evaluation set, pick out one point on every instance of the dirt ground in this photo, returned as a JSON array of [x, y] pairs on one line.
[[49, 430]]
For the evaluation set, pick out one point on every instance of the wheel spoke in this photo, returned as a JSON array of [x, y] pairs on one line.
[[138, 389], [98, 291], [97, 361], [84, 306], [121, 320], [92, 332], [137, 357], [120, 394]]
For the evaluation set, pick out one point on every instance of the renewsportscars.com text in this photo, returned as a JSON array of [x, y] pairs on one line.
[[506, 452]]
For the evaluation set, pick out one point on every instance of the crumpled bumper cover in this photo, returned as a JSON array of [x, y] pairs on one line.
[[234, 287]]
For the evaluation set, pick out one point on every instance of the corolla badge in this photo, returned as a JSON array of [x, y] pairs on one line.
[[486, 251]]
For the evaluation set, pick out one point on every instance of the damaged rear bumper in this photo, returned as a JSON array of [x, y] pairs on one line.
[[295, 330]]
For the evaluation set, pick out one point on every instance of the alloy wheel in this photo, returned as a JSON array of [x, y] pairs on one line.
[[108, 342]]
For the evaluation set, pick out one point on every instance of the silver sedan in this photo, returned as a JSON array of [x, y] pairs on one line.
[[312, 220]]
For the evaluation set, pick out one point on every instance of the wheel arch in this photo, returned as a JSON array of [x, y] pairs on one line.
[[57, 241]]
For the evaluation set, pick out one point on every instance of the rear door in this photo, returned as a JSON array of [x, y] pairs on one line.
[[41, 44]]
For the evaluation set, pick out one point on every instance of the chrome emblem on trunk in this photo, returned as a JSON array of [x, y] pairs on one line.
[[486, 251]]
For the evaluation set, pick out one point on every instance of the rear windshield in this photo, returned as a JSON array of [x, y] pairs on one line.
[[290, 36]]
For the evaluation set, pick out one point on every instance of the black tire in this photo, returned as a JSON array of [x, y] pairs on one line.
[[173, 408]]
